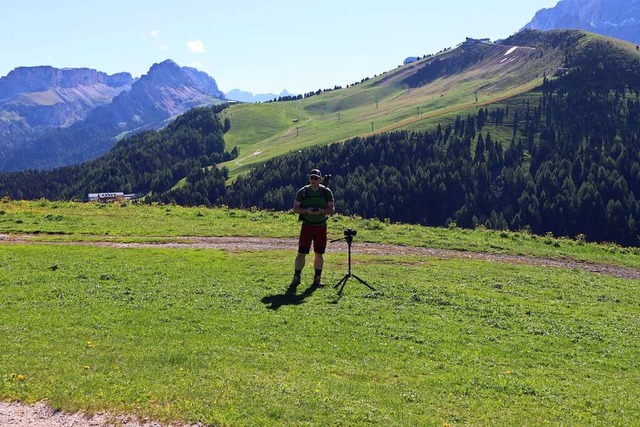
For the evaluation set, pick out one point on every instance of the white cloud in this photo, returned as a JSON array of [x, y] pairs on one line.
[[195, 46], [162, 47], [151, 35]]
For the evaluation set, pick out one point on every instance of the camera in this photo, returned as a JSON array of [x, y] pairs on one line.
[[349, 232]]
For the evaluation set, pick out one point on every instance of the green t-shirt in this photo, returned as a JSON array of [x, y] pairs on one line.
[[314, 199]]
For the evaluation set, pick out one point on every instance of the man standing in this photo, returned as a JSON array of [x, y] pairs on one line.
[[314, 203]]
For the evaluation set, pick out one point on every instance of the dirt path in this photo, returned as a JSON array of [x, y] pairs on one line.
[[40, 415], [241, 244]]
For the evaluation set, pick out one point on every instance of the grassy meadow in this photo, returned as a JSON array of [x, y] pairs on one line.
[[217, 337]]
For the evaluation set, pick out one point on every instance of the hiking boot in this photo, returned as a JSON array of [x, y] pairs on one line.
[[317, 282], [295, 281]]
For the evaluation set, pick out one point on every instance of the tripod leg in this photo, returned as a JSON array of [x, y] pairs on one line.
[[343, 285], [363, 282], [342, 282]]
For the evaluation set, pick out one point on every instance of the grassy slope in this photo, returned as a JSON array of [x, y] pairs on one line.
[[384, 103], [212, 336]]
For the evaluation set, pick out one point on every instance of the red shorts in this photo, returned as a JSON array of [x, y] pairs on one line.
[[315, 233]]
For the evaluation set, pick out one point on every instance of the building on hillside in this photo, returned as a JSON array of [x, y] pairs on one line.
[[116, 196], [470, 40], [410, 59]]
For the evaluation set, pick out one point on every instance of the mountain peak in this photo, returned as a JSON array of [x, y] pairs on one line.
[[163, 69], [169, 74], [166, 64]]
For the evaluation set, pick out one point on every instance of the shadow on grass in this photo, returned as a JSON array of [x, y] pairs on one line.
[[290, 297]]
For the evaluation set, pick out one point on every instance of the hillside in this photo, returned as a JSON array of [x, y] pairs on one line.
[[151, 161], [418, 96], [550, 159], [415, 96]]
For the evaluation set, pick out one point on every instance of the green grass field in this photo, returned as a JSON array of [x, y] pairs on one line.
[[215, 336]]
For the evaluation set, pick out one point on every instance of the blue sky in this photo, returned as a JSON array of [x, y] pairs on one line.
[[257, 46]]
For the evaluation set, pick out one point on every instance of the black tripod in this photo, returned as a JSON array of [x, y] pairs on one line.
[[349, 233]]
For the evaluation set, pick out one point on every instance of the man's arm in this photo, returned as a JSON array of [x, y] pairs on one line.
[[298, 209], [331, 208]]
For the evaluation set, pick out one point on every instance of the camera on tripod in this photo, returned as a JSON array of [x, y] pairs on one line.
[[349, 232], [348, 236]]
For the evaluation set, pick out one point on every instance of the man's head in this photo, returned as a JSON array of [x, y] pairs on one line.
[[315, 177]]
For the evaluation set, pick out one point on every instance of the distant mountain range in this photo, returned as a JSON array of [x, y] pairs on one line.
[[613, 18], [52, 117], [242, 96], [36, 100]]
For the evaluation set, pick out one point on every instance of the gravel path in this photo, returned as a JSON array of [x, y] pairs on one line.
[[241, 244], [41, 415]]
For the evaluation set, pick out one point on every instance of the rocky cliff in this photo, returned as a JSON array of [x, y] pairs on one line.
[[614, 18], [165, 91], [38, 100], [53, 117], [43, 78]]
